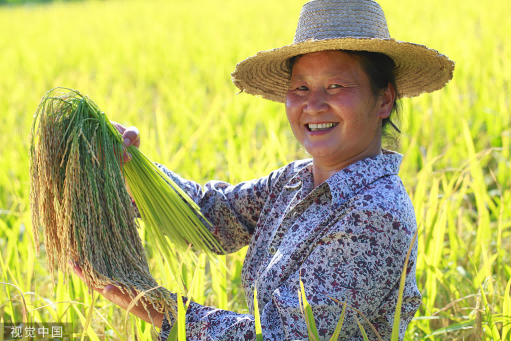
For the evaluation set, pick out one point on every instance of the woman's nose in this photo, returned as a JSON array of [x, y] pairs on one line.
[[316, 102]]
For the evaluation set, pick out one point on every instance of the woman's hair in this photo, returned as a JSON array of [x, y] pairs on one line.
[[380, 70]]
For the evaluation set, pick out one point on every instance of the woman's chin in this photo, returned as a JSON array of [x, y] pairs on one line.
[[323, 150], [326, 155]]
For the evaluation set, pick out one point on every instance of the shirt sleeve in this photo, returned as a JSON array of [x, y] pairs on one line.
[[232, 210], [358, 261]]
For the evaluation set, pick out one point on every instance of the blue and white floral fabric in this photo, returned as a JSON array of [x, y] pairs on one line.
[[346, 239]]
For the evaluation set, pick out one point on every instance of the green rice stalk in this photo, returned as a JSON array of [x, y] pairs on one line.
[[173, 333], [181, 318], [338, 327], [307, 314], [486, 304], [79, 199], [360, 313], [89, 315], [258, 328], [402, 281], [506, 312], [362, 330]]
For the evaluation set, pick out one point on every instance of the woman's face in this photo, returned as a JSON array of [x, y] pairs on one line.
[[331, 109]]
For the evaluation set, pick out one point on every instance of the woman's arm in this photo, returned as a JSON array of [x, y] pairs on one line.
[[233, 210]]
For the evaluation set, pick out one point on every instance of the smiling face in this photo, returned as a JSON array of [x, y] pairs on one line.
[[332, 110]]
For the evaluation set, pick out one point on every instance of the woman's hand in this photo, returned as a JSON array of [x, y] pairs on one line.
[[123, 300], [130, 135]]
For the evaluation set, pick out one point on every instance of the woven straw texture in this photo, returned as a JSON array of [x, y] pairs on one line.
[[344, 25]]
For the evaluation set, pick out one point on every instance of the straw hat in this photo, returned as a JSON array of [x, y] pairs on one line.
[[343, 25]]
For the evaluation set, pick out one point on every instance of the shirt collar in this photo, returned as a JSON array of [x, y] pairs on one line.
[[303, 179], [348, 181]]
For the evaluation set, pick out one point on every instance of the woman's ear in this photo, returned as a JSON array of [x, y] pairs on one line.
[[386, 104]]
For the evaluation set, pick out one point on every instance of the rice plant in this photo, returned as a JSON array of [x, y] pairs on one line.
[[164, 67]]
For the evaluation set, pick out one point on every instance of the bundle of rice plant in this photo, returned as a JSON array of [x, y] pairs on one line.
[[79, 199]]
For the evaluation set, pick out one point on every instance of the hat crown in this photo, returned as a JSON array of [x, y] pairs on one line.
[[331, 19]]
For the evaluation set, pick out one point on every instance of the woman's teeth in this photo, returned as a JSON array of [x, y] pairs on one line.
[[321, 126]]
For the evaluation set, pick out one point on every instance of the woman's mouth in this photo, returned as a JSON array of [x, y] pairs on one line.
[[320, 126]]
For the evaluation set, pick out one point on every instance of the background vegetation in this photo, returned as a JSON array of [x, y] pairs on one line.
[[165, 66], [29, 2]]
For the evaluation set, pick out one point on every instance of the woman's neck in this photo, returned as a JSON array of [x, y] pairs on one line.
[[322, 169]]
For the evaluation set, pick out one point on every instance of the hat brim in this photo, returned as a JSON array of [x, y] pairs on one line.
[[418, 69]]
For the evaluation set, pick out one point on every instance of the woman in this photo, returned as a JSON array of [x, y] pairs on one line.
[[341, 222]]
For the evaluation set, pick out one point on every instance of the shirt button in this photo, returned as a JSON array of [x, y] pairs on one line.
[[252, 287], [272, 250]]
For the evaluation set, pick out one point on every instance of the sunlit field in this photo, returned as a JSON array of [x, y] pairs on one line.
[[164, 66]]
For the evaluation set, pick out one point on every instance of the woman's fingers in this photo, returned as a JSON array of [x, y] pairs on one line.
[[119, 127], [123, 300], [130, 135], [110, 292], [114, 295], [78, 271]]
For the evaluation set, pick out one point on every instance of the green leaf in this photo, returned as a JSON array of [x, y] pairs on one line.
[[362, 330], [493, 327], [89, 331], [173, 333], [360, 313], [309, 317], [89, 314], [506, 309], [259, 330], [338, 328], [181, 318], [397, 315], [454, 327]]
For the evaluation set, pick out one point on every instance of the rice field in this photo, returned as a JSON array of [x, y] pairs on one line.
[[164, 66]]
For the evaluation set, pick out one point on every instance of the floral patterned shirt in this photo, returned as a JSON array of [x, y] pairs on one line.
[[347, 239]]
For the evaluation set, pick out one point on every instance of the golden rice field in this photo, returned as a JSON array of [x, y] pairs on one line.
[[165, 67]]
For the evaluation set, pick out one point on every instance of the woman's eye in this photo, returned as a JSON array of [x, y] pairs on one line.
[[335, 86], [302, 88]]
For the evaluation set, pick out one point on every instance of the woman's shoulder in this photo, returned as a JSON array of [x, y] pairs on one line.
[[376, 176], [373, 192], [380, 208]]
